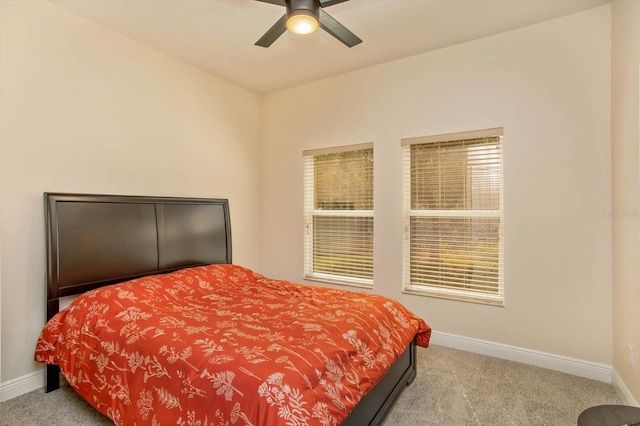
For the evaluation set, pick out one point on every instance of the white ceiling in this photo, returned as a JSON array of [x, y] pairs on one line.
[[219, 35]]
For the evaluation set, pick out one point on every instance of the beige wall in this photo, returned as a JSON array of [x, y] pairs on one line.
[[548, 85], [86, 110], [626, 189]]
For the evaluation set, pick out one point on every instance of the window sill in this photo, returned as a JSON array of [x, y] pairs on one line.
[[350, 282], [455, 295]]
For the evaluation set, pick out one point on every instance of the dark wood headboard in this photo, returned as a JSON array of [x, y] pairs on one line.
[[97, 240]]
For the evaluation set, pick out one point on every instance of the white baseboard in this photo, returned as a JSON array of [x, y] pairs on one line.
[[21, 385], [577, 367], [622, 390]]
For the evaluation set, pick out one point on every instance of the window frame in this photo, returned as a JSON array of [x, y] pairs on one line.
[[310, 213], [448, 289]]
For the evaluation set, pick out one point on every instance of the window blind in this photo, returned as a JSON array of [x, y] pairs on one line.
[[453, 218], [338, 194]]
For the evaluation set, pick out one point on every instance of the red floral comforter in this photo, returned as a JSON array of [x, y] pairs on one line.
[[224, 345]]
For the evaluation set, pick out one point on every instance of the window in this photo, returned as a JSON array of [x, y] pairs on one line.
[[338, 215], [453, 217]]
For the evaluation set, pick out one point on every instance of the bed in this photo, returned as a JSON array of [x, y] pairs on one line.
[[167, 330]]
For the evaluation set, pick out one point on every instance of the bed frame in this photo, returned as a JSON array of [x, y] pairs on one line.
[[98, 240]]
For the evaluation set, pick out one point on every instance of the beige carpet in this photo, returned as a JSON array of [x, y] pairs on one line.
[[461, 388], [452, 388]]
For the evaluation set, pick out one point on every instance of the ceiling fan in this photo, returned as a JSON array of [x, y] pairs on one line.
[[304, 17]]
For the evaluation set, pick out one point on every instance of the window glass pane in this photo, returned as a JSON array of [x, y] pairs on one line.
[[459, 252], [458, 175], [344, 180], [343, 246]]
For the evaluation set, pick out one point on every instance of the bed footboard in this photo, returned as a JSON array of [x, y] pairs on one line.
[[375, 405], [52, 378]]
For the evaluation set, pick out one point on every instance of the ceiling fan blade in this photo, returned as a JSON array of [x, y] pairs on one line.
[[273, 33], [278, 2], [325, 3], [338, 30]]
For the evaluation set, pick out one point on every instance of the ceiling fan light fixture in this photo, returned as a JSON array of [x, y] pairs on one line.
[[304, 17], [302, 22]]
